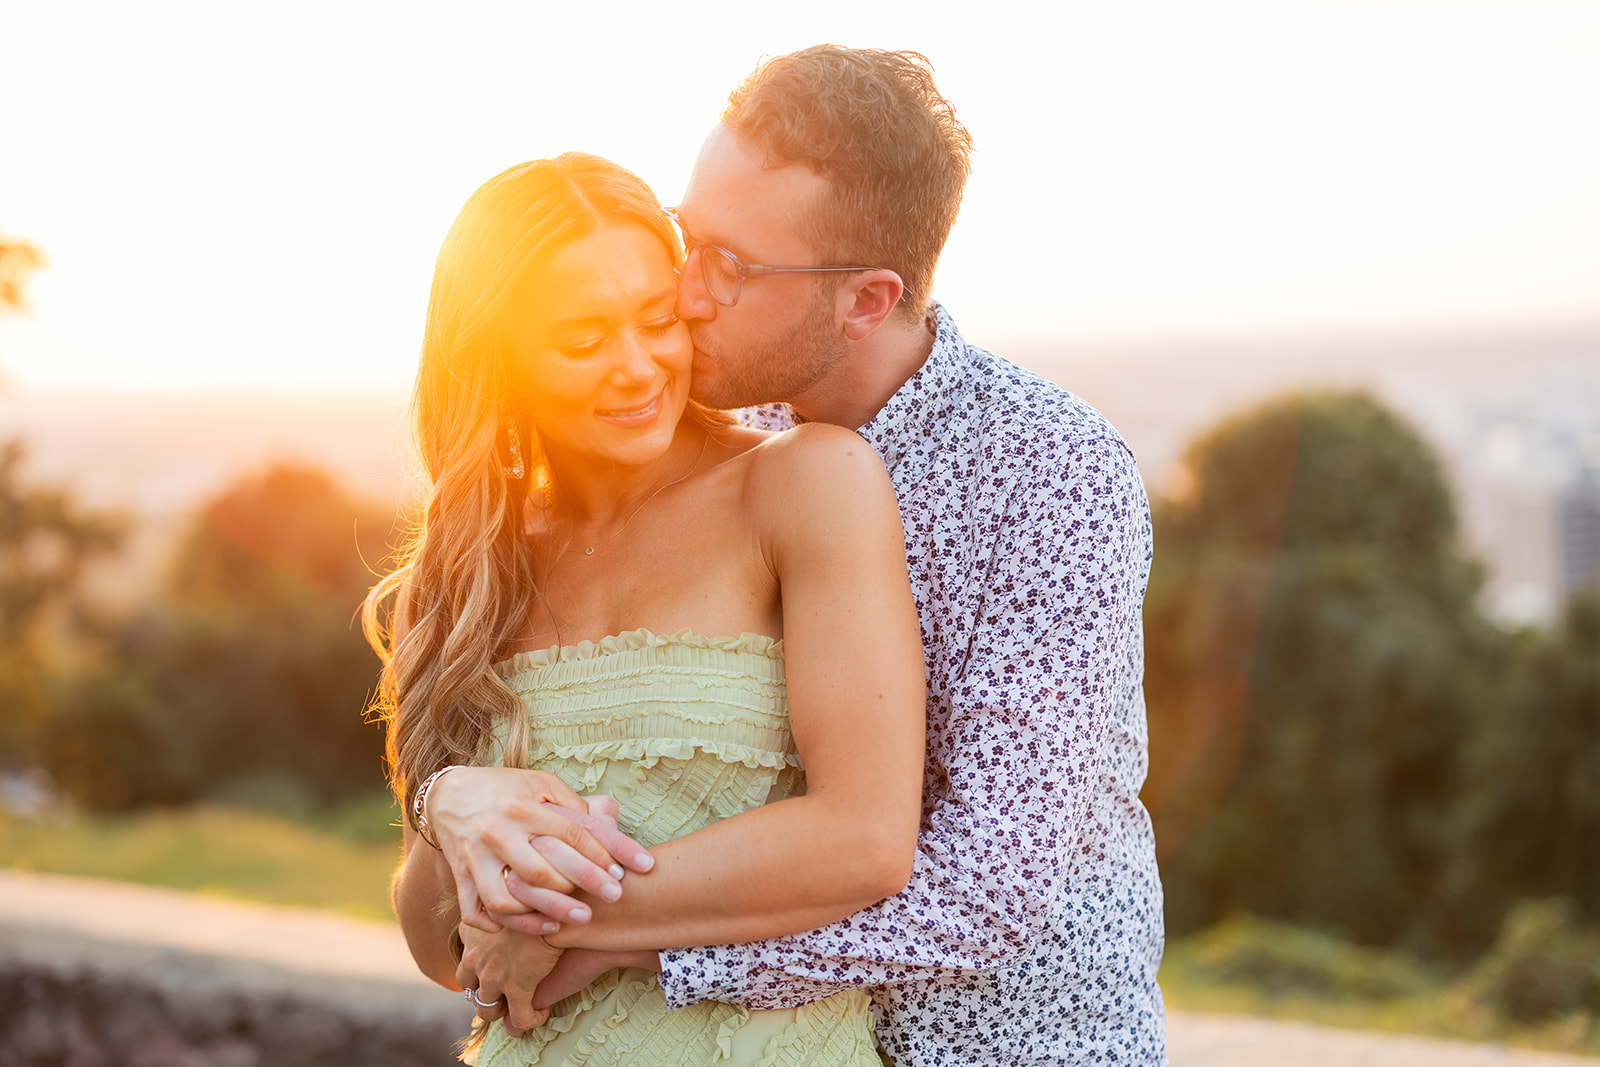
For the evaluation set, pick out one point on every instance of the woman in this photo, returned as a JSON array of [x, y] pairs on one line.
[[612, 591]]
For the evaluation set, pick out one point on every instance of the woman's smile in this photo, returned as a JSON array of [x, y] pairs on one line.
[[642, 415]]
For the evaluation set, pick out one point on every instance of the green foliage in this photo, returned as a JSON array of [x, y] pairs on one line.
[[1315, 658], [1545, 964], [1534, 770], [46, 541], [249, 855], [249, 681], [1258, 967], [1287, 960], [365, 818]]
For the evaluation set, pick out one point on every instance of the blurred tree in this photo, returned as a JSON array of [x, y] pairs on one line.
[[1316, 658], [1535, 769], [1544, 965], [287, 540], [46, 541], [250, 681]]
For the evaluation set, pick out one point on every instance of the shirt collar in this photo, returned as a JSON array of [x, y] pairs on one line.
[[924, 406]]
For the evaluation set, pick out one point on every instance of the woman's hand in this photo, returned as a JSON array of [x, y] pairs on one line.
[[494, 821], [503, 970], [578, 967]]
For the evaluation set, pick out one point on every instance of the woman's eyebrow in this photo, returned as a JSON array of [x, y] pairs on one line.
[[664, 296], [578, 322]]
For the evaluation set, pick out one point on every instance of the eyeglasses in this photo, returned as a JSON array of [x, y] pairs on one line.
[[724, 273]]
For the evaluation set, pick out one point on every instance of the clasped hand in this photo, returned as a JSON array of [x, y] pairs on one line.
[[519, 842], [519, 978]]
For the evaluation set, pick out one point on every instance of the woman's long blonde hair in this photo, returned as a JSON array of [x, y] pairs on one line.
[[465, 580]]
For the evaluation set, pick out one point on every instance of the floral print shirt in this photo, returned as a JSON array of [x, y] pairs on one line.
[[1031, 929]]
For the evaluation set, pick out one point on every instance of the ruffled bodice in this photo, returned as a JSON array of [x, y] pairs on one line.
[[683, 730]]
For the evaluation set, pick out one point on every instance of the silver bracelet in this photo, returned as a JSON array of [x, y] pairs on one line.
[[419, 803]]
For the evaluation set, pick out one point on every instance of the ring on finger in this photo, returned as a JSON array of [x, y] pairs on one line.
[[472, 995]]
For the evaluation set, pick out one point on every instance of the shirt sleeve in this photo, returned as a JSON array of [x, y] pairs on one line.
[[1034, 673], [773, 417]]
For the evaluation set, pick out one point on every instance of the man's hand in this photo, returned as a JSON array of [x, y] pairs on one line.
[[539, 905], [494, 822], [578, 967], [503, 970]]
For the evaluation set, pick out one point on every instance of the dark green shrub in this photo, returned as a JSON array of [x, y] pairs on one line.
[[1281, 959], [1545, 964]]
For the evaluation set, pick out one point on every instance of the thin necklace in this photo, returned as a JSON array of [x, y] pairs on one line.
[[704, 441]]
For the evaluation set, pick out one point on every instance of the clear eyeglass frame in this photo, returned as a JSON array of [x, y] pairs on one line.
[[724, 273]]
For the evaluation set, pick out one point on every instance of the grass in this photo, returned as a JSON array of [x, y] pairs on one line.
[[1251, 967], [340, 861]]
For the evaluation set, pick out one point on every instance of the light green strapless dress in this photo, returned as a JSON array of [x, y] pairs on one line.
[[683, 730]]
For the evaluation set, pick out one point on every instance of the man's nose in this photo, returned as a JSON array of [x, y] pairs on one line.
[[694, 299]]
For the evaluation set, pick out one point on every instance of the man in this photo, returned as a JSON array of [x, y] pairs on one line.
[[1031, 929]]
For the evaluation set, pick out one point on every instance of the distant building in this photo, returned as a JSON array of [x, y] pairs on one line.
[[1529, 485], [1579, 533], [1517, 539]]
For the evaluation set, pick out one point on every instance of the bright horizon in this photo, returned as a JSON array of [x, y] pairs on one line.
[[233, 196]]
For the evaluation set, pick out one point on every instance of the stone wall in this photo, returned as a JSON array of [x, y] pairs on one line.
[[70, 1000]]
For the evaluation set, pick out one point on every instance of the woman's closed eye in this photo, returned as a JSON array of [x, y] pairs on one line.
[[582, 347], [661, 325]]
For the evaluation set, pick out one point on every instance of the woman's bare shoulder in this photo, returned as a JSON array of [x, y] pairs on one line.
[[814, 448], [815, 465]]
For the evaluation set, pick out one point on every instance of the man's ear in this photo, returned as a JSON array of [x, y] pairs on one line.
[[870, 298]]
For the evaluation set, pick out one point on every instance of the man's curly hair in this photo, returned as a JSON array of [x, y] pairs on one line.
[[873, 123]]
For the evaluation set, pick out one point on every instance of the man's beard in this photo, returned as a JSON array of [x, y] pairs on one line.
[[772, 371]]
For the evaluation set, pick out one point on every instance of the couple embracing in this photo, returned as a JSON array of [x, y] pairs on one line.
[[763, 682]]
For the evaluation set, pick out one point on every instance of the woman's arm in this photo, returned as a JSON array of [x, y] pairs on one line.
[[831, 534], [423, 895]]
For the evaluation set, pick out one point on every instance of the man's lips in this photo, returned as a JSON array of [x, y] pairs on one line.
[[644, 413]]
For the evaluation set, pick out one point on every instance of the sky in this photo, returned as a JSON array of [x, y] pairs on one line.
[[253, 194]]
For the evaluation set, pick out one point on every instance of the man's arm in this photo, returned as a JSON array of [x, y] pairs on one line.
[[1032, 691], [854, 679]]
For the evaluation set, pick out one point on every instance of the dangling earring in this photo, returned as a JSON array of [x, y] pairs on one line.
[[513, 466]]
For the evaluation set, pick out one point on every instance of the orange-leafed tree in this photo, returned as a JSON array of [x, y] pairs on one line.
[[248, 682]]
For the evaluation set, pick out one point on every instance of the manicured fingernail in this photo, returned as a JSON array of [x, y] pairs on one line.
[[550, 928], [616, 870], [611, 891], [644, 861], [578, 915]]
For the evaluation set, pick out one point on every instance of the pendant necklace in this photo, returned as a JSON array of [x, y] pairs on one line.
[[704, 441]]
